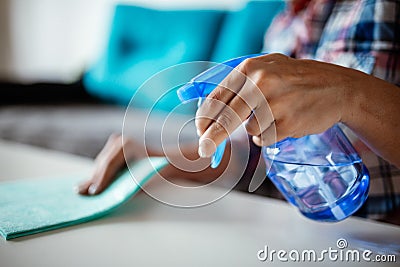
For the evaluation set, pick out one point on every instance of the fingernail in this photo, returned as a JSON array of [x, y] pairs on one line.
[[77, 189], [201, 152], [206, 147], [92, 189]]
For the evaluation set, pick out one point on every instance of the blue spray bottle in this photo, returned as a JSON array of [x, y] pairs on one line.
[[322, 175]]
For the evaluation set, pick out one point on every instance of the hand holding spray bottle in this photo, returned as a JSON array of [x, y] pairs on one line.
[[322, 174]]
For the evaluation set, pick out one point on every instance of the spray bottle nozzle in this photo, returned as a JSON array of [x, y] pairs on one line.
[[203, 84]]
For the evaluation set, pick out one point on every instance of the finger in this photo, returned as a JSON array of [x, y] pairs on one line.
[[260, 119], [83, 187], [273, 57], [221, 95], [113, 139], [103, 179], [268, 137], [99, 181], [108, 163], [230, 118]]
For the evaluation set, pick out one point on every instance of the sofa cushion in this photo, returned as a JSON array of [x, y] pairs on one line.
[[145, 41], [243, 30]]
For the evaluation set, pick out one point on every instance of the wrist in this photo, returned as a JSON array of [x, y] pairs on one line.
[[354, 97]]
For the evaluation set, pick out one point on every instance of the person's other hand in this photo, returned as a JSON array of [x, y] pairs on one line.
[[108, 162], [278, 96], [117, 151]]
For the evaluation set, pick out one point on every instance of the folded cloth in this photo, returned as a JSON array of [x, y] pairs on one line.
[[33, 206]]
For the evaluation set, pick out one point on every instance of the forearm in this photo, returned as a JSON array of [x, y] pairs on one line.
[[373, 112]]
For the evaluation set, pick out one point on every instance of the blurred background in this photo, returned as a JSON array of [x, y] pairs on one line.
[[55, 40], [68, 68]]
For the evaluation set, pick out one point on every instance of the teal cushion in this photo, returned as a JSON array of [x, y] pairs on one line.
[[243, 31], [145, 41]]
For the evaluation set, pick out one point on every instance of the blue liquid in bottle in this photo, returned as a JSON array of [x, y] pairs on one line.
[[321, 174]]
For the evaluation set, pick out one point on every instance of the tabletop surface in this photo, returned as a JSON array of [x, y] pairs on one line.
[[237, 230]]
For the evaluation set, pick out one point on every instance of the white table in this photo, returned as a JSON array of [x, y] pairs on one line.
[[144, 232]]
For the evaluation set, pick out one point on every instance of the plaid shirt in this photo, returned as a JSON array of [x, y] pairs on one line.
[[359, 34]]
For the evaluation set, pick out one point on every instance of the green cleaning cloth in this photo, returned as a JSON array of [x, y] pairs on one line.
[[33, 206]]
